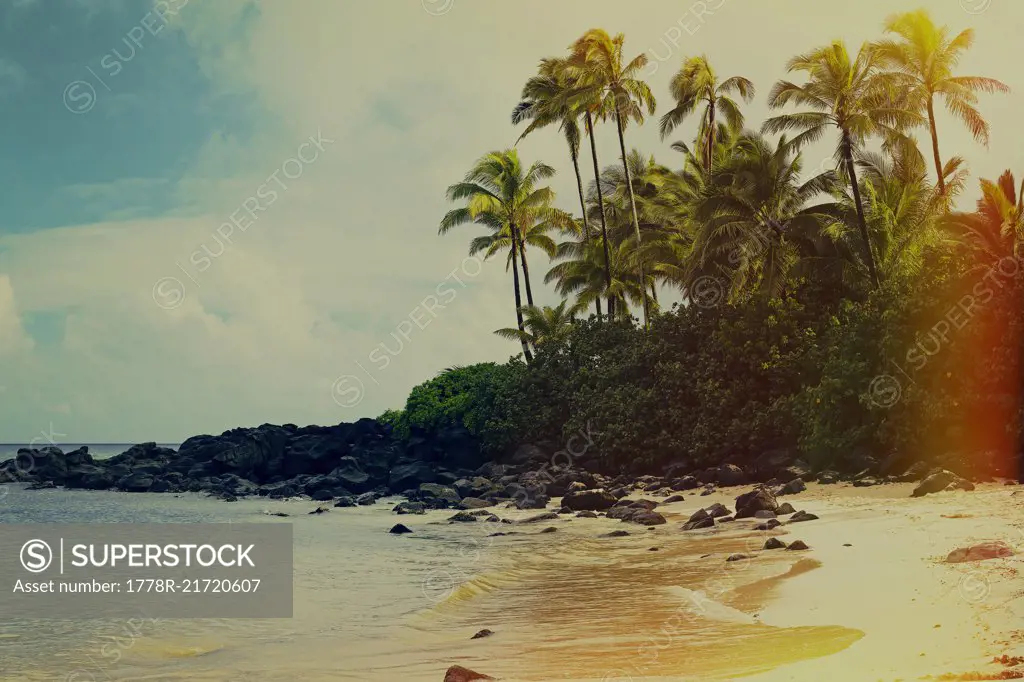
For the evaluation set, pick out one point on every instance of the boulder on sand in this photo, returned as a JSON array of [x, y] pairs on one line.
[[457, 673], [940, 480], [758, 499], [589, 500]]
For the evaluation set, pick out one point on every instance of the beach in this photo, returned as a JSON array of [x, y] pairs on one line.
[[872, 599]]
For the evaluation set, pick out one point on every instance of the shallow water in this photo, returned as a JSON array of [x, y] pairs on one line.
[[371, 606]]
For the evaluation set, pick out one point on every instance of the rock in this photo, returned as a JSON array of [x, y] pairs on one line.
[[320, 510], [768, 525], [436, 491], [646, 518], [685, 483], [717, 510], [530, 500], [797, 545], [550, 516], [764, 514], [483, 633], [729, 475], [586, 515], [478, 486], [696, 524], [725, 519], [367, 499], [136, 483], [737, 557], [492, 519], [802, 516], [350, 502], [616, 534], [589, 500], [774, 543], [785, 508], [980, 552], [457, 673], [673, 498], [410, 475], [710, 490], [399, 529], [935, 482], [550, 529], [865, 482], [828, 477], [474, 503], [409, 508], [795, 486], [322, 496], [760, 498], [462, 517]]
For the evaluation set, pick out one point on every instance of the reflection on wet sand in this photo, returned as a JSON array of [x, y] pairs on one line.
[[612, 609]]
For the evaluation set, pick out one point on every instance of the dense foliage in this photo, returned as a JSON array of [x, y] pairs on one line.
[[843, 313]]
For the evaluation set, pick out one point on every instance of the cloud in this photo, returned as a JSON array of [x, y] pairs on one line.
[[13, 338]]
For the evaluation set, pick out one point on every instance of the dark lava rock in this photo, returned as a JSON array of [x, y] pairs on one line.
[[673, 498], [646, 518], [768, 525], [685, 483], [616, 534], [483, 633], [758, 499], [462, 517], [349, 502], [797, 545], [774, 543], [409, 508], [802, 516], [586, 515], [367, 499], [737, 557], [785, 508], [717, 510], [549, 516], [399, 529], [550, 529], [589, 500], [474, 503], [320, 510], [795, 486]]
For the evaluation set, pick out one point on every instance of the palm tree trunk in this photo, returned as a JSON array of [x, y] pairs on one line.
[[935, 147], [636, 218], [852, 170], [519, 300], [710, 142], [604, 222], [583, 207], [526, 272]]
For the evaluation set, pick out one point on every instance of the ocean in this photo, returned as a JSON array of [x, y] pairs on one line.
[[374, 607]]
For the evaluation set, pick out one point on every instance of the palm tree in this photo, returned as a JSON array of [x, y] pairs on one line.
[[546, 101], [543, 325], [995, 230], [854, 96], [754, 222], [532, 232], [614, 90], [923, 60], [503, 197], [581, 274], [697, 83]]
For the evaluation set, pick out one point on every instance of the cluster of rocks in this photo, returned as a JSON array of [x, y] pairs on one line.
[[358, 463]]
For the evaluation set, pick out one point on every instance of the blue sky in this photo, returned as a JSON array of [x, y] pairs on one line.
[[125, 315]]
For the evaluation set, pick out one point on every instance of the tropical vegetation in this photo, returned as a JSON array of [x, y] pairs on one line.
[[808, 298]]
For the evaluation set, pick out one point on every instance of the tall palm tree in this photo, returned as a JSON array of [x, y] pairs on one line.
[[546, 100], [696, 83], [851, 94], [995, 230], [543, 325], [503, 197], [532, 232], [615, 91], [923, 59]]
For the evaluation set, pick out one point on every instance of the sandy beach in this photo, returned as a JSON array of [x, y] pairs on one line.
[[872, 599]]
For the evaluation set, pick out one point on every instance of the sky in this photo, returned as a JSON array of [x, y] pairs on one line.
[[221, 213]]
